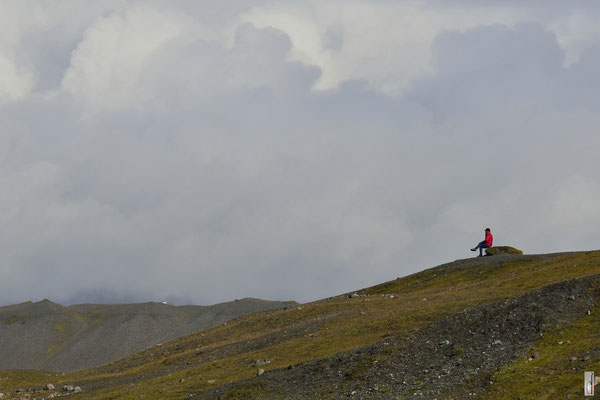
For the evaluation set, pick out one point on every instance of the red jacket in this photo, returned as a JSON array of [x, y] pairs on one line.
[[489, 239]]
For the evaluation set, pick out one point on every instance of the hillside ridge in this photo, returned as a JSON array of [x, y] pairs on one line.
[[451, 358], [470, 328]]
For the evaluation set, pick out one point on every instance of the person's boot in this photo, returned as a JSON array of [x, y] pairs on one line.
[[473, 249]]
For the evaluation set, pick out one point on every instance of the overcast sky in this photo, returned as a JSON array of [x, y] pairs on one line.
[[201, 151]]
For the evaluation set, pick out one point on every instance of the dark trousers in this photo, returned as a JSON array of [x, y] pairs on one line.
[[481, 246]]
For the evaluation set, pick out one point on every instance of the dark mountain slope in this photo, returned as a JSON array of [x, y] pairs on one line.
[[45, 335]]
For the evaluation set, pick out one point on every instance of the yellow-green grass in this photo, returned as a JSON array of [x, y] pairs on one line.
[[310, 331], [510, 279], [91, 318], [16, 319], [59, 326], [11, 380]]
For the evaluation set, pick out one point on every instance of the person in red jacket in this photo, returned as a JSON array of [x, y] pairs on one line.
[[487, 243]]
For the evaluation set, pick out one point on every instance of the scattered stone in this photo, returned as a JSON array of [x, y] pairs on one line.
[[497, 342], [77, 389], [68, 388], [210, 381], [353, 295], [260, 372], [257, 363], [571, 297], [49, 386], [444, 342], [1, 395], [131, 386], [290, 367], [572, 359], [587, 358]]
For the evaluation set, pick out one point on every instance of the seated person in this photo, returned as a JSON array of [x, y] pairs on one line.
[[487, 243]]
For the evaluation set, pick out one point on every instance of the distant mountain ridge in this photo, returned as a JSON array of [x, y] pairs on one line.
[[49, 336]]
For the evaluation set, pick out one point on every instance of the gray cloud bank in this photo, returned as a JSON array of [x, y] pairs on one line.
[[190, 152]]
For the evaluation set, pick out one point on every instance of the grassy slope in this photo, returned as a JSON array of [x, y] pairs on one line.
[[225, 353]]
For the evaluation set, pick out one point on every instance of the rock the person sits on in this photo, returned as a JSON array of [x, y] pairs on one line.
[[497, 250]]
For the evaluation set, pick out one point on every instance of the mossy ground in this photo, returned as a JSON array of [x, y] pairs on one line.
[[225, 354]]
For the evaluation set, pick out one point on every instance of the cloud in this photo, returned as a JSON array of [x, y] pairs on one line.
[[109, 63], [15, 82], [200, 153], [486, 69]]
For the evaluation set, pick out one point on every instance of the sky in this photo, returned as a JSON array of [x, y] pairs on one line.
[[198, 151]]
